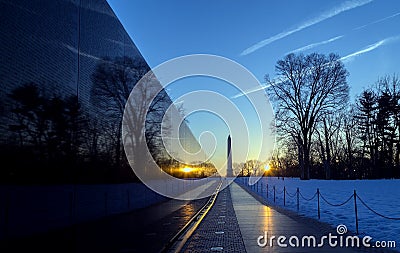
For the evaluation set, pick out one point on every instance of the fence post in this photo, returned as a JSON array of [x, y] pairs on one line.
[[319, 211], [298, 193], [284, 196], [274, 193], [267, 191], [355, 210]]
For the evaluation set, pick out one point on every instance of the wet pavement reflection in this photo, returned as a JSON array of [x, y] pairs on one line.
[[143, 230]]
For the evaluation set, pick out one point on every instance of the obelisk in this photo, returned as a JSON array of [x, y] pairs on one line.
[[229, 170]]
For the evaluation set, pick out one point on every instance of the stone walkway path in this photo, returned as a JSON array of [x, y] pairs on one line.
[[219, 231]]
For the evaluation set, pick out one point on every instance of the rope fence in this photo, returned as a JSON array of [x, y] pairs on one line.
[[298, 194], [307, 199], [381, 215], [340, 204], [291, 195]]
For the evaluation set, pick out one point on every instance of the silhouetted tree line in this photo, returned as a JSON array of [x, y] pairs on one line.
[[321, 134], [55, 138], [200, 169], [377, 116], [47, 134], [248, 168]]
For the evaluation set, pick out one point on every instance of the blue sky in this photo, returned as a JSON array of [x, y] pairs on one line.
[[257, 34]]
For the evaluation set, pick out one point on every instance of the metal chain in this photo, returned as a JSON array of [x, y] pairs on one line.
[[341, 204], [290, 195], [279, 192], [306, 199], [369, 208]]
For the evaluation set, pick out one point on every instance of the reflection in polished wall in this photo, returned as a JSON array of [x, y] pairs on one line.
[[67, 67]]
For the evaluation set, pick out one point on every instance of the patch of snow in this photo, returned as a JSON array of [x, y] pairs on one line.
[[383, 196]]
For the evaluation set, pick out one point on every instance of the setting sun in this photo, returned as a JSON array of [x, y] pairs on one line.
[[267, 167], [187, 169]]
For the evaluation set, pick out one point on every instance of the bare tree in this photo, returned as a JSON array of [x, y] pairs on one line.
[[238, 169], [113, 81], [388, 123], [305, 90], [350, 133], [253, 168], [329, 137], [284, 160], [50, 127], [378, 120], [366, 115]]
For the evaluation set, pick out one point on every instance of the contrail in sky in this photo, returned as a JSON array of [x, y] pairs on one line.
[[377, 21], [346, 58], [262, 87], [369, 48], [348, 5], [339, 37], [315, 44]]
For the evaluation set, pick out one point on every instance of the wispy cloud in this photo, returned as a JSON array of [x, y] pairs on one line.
[[348, 5], [377, 21], [346, 58], [369, 48], [310, 46]]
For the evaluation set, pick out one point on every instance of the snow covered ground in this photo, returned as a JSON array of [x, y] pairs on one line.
[[383, 196]]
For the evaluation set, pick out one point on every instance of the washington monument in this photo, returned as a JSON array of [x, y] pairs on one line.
[[229, 170]]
